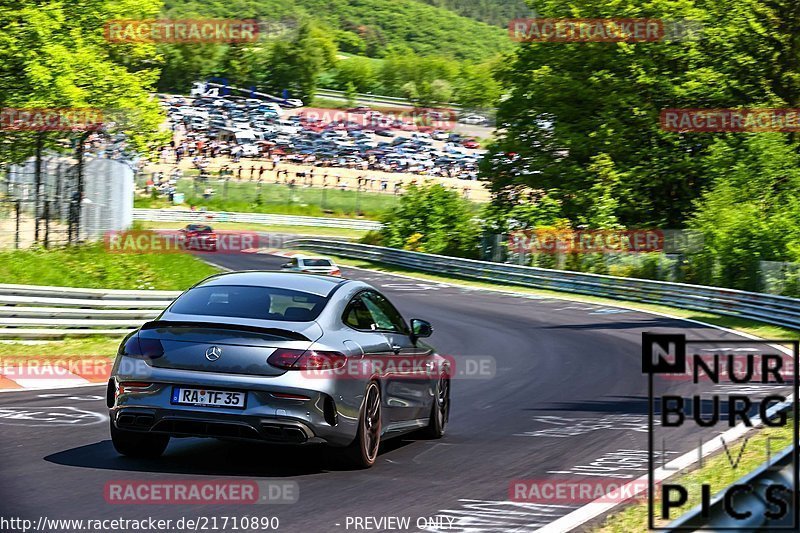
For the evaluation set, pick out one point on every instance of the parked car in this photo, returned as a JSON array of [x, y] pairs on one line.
[[470, 143], [474, 119]]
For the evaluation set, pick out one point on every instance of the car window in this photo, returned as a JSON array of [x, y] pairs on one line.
[[264, 303], [316, 262], [357, 315], [384, 313]]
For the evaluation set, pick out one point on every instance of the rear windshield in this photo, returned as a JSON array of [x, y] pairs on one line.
[[262, 303], [317, 262], [196, 227]]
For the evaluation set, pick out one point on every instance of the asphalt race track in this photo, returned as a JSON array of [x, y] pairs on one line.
[[559, 364]]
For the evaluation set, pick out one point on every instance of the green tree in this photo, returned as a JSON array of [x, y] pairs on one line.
[[569, 103], [55, 55], [296, 64], [350, 94], [358, 71], [432, 219], [752, 212], [476, 86]]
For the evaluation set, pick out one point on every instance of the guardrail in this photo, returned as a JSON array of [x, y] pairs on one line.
[[376, 98], [778, 310], [778, 470], [185, 215], [38, 312]]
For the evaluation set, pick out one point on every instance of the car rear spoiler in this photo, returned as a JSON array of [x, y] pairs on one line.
[[276, 332]]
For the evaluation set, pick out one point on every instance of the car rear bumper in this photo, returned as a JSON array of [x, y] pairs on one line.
[[324, 410], [185, 423]]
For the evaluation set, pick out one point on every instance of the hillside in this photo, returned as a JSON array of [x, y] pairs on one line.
[[497, 13], [369, 27]]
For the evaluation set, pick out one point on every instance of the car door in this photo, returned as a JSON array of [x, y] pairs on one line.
[[407, 385]]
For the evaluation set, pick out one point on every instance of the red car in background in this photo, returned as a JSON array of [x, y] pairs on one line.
[[199, 237]]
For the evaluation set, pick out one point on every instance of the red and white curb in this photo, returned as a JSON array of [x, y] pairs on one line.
[[38, 373]]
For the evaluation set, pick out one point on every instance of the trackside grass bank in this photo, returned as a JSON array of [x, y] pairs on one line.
[[311, 231], [91, 266], [716, 472]]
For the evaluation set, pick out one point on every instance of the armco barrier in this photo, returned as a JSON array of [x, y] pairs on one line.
[[38, 312], [208, 217], [767, 308], [374, 98], [18, 316]]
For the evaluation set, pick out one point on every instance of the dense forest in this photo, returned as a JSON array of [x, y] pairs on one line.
[[493, 12], [367, 27], [399, 48], [582, 123]]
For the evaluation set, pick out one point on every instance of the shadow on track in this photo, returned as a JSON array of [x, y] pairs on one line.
[[217, 458]]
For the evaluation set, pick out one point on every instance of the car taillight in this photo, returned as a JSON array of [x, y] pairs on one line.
[[336, 272], [289, 359], [142, 347], [132, 386]]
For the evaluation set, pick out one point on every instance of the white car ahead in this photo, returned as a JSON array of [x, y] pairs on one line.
[[312, 265]]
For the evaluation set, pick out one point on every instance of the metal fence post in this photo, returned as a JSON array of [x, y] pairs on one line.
[[16, 232], [46, 223]]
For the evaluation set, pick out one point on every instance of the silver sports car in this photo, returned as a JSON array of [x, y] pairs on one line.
[[281, 358]]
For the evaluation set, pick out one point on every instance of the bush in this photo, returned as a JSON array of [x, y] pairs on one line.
[[432, 219]]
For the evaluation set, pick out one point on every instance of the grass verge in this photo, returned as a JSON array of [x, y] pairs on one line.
[[94, 345], [716, 472], [247, 197], [91, 266], [305, 231]]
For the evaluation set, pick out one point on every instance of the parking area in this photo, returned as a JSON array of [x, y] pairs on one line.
[[356, 149]]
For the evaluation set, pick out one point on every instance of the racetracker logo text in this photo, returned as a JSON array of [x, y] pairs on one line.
[[51, 119], [549, 30], [171, 242], [182, 31], [744, 120], [203, 492]]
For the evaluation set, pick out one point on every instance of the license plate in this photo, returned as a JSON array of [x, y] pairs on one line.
[[208, 398]]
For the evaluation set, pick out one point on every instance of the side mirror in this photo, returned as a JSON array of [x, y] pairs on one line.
[[287, 265], [421, 328]]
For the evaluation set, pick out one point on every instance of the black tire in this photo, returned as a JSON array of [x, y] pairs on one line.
[[363, 451], [136, 444], [440, 410]]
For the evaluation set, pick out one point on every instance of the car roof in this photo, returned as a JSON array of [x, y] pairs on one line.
[[311, 283]]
